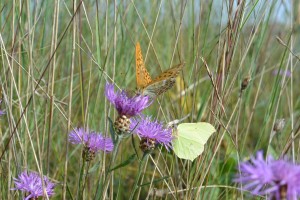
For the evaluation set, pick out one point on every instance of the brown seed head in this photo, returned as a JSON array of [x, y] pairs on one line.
[[245, 83], [122, 124], [147, 144]]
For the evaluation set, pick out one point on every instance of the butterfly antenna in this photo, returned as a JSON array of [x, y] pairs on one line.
[[177, 121]]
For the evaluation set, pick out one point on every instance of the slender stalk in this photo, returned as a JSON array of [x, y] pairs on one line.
[[107, 177], [141, 166], [71, 79], [80, 184]]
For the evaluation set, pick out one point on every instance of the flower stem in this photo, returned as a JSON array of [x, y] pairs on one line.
[[102, 191], [136, 183], [81, 182]]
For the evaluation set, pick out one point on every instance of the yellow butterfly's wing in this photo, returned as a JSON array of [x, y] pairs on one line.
[[163, 82], [190, 139], [142, 76]]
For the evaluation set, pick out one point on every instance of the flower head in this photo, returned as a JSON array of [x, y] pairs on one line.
[[92, 141], [281, 72], [152, 131], [33, 185], [126, 105], [274, 177], [1, 111]]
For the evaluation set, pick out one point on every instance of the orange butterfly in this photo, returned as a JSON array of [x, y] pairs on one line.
[[158, 85]]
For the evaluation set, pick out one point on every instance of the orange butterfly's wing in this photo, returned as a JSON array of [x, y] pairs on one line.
[[173, 72], [142, 76], [163, 82], [159, 87]]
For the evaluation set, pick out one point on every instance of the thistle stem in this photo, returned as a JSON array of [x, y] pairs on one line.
[[136, 183], [81, 182], [107, 175]]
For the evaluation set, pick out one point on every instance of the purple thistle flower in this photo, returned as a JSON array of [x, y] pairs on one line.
[[124, 104], [92, 140], [282, 72], [153, 130], [1, 111], [279, 178], [32, 185]]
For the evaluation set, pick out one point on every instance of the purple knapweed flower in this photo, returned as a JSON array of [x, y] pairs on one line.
[[152, 132], [33, 186], [91, 140], [278, 178], [1, 111], [282, 72], [124, 104]]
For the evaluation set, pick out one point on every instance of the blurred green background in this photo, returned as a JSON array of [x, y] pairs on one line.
[[56, 57]]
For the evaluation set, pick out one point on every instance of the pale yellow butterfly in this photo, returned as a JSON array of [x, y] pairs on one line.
[[158, 85]]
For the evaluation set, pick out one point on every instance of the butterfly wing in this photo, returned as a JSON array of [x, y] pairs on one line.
[[190, 138], [159, 87], [173, 72], [163, 82], [142, 76]]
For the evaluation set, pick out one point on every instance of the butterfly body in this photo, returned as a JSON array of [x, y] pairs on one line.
[[158, 85]]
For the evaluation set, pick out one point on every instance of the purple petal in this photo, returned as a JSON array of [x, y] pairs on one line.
[[94, 141], [270, 177], [125, 104], [146, 128], [32, 185]]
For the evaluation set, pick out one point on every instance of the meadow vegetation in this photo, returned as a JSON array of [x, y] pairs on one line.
[[240, 75]]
